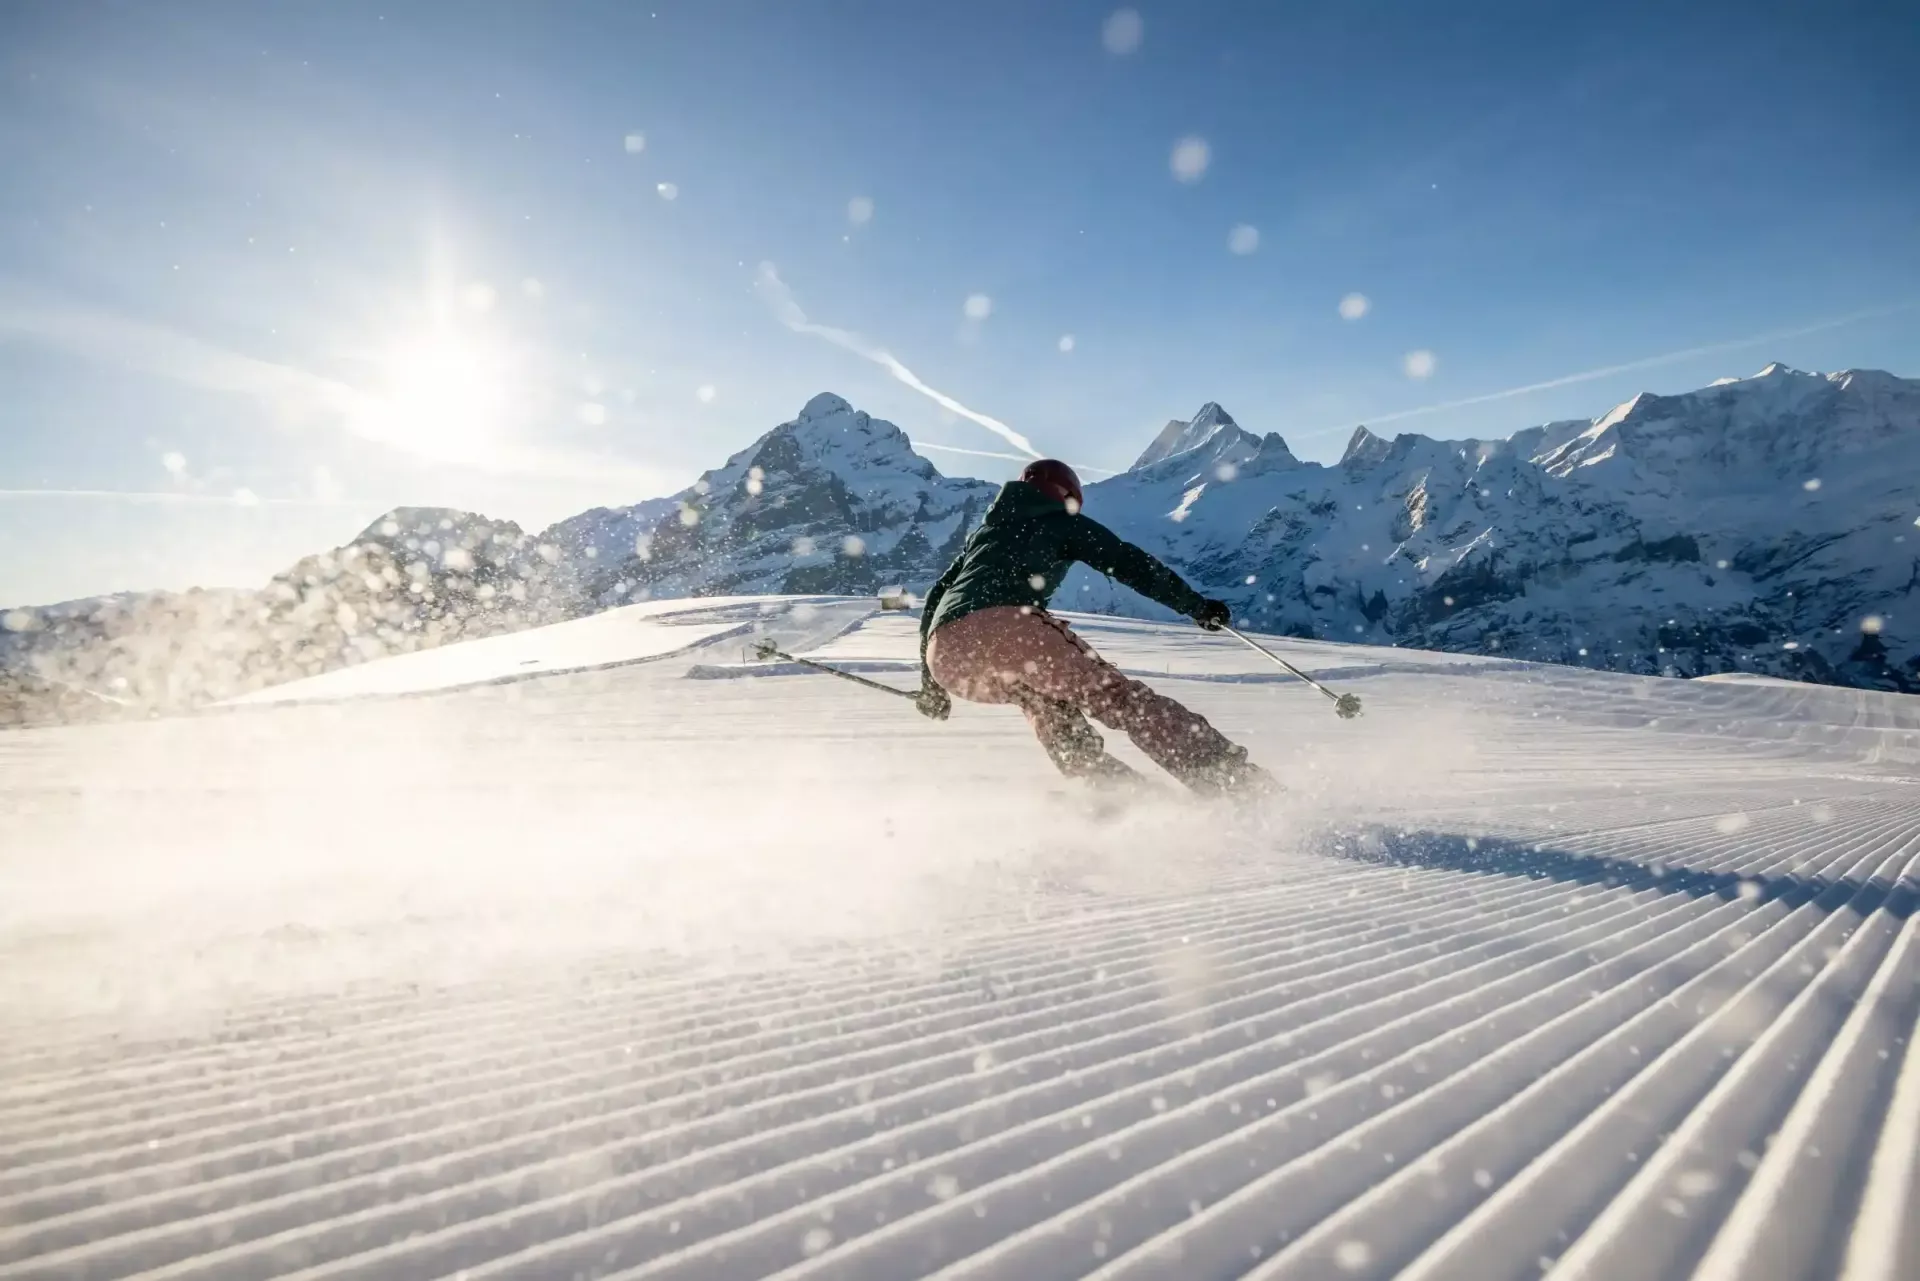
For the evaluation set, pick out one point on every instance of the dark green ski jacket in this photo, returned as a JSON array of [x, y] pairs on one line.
[[1022, 550]]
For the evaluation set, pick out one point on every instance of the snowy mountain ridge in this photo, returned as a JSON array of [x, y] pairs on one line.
[[1210, 436], [1764, 525], [1761, 524]]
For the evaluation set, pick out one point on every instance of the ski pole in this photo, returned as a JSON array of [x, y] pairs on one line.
[[1346, 706], [767, 649]]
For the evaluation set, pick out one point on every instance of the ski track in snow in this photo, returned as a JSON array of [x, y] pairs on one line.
[[1533, 972]]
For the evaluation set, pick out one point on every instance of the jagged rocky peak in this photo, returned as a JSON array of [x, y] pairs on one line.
[[827, 417], [1273, 453], [1211, 417], [1365, 448], [1209, 435], [832, 500], [825, 405], [830, 435]]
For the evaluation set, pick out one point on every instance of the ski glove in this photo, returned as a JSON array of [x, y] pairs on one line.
[[1213, 615], [932, 701]]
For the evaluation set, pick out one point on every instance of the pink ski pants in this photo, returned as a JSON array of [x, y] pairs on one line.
[[1027, 657]]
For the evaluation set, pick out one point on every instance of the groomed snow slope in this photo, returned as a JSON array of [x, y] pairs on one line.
[[1536, 971], [630, 634]]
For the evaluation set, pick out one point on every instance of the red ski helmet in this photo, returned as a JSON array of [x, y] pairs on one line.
[[1053, 477]]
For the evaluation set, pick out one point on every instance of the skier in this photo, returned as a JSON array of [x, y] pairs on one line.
[[986, 635]]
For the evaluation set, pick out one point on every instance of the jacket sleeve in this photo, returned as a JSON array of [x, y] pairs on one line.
[[1096, 546], [931, 606]]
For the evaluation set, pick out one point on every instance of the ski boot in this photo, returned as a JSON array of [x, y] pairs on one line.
[[1231, 776]]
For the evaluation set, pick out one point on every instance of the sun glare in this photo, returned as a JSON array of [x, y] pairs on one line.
[[442, 393]]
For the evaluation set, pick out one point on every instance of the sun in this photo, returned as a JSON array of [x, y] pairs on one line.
[[441, 393]]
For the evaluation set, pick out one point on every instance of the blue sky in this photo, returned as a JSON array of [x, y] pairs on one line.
[[267, 270]]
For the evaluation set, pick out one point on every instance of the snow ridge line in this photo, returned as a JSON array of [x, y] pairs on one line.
[[1130, 1208], [1338, 1002], [694, 990], [1110, 962], [1496, 882], [1311, 959], [1619, 1054], [957, 980], [430, 1057]]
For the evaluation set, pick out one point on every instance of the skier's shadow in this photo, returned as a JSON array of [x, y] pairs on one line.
[[1494, 856]]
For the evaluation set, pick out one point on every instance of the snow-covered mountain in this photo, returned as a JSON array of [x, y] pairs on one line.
[[833, 501], [1764, 524], [1211, 436]]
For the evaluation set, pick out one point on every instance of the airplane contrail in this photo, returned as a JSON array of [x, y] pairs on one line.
[[1012, 458], [1646, 362], [780, 298]]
